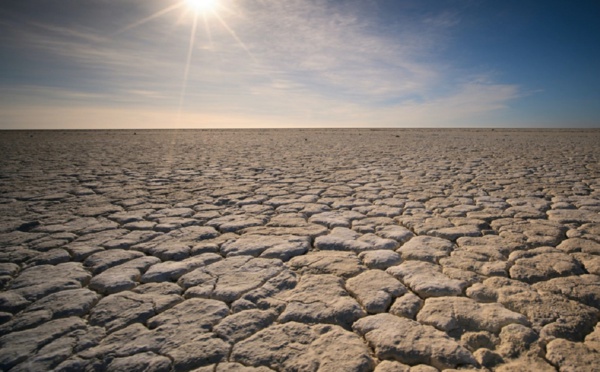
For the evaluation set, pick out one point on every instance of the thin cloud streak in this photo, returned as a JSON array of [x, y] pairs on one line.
[[462, 109], [299, 62], [337, 53]]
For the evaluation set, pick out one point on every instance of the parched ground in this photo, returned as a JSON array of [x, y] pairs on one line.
[[300, 250]]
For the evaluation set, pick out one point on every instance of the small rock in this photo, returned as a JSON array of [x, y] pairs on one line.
[[17, 347], [39, 281], [375, 290], [282, 247], [380, 259], [236, 367], [488, 358], [378, 243], [426, 279], [81, 251], [392, 366], [228, 279], [320, 299], [130, 239], [384, 211], [590, 231], [203, 350], [310, 230], [115, 280], [591, 263], [542, 264], [477, 260], [579, 216], [526, 364], [267, 296], [12, 302], [426, 248], [532, 233], [164, 288], [133, 339], [423, 368], [244, 324], [342, 239], [463, 275], [553, 315], [342, 264], [183, 322], [124, 308], [26, 320], [592, 340], [407, 306], [299, 347], [478, 340], [52, 257], [234, 223], [335, 219], [370, 225], [193, 234], [101, 261], [583, 288], [140, 225], [9, 269], [516, 339], [173, 212], [147, 361], [100, 210], [455, 232], [122, 277], [128, 217], [74, 302], [17, 255], [412, 343], [579, 245], [464, 314], [572, 356], [493, 243], [166, 271]]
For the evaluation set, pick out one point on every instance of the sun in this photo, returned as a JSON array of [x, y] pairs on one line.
[[202, 6]]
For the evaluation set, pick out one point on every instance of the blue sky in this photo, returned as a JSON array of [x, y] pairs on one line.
[[299, 63]]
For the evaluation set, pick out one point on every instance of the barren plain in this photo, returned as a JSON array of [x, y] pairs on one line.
[[300, 250]]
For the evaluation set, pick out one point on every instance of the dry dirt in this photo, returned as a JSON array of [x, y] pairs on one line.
[[300, 250]]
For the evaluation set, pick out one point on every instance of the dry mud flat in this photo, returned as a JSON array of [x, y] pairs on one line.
[[300, 250]]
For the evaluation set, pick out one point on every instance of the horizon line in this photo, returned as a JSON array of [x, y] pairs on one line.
[[297, 128]]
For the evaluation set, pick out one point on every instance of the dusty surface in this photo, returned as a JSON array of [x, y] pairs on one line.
[[300, 250]]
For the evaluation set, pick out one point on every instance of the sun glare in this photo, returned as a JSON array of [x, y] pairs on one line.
[[202, 6], [201, 10]]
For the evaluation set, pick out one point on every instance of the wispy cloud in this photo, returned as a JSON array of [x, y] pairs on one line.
[[462, 109], [334, 51], [307, 62]]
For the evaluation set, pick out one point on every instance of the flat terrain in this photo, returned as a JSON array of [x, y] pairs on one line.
[[300, 250]]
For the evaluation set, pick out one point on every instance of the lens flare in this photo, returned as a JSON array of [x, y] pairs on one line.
[[198, 10], [202, 6]]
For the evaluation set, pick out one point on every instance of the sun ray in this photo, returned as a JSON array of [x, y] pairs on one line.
[[202, 6], [149, 18], [234, 35], [186, 71], [197, 8], [207, 29]]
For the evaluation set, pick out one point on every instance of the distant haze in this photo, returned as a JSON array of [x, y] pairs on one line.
[[73, 64]]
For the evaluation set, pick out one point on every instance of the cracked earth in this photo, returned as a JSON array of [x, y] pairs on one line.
[[300, 250]]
